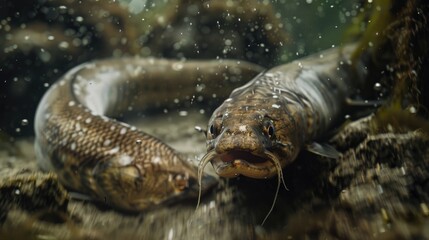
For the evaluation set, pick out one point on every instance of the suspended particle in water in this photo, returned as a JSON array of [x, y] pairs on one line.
[[183, 113], [377, 86], [24, 122]]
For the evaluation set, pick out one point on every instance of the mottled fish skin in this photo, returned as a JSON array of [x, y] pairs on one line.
[[112, 161], [264, 124]]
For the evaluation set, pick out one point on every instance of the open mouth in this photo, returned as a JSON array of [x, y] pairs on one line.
[[237, 162], [234, 163], [241, 155]]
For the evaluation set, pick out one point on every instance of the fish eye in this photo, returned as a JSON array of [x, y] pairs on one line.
[[268, 129], [215, 127], [271, 131], [213, 130]]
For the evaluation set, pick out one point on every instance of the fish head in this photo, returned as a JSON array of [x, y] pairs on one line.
[[252, 138]]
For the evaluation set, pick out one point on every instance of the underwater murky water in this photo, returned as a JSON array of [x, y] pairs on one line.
[[379, 179]]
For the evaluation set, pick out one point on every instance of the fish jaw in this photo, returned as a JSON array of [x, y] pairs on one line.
[[235, 163]]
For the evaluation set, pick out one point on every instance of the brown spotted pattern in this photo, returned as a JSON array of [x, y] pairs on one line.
[[112, 161]]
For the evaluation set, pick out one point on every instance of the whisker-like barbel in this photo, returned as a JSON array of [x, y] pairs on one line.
[[274, 160], [77, 137], [264, 124], [203, 163]]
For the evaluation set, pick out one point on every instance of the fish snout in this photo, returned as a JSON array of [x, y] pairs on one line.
[[240, 139]]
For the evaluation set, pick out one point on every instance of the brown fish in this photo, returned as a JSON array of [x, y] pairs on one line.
[[112, 161], [264, 124]]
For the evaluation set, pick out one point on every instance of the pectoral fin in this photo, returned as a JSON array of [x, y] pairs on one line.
[[324, 150]]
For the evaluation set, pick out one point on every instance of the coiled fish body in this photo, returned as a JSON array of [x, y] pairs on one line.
[[110, 160], [264, 124]]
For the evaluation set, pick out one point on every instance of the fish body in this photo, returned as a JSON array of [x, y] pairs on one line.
[[111, 161], [264, 124]]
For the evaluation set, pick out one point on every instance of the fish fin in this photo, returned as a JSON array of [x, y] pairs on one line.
[[323, 149]]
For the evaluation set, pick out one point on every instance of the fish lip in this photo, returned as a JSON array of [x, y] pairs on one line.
[[243, 155], [261, 165]]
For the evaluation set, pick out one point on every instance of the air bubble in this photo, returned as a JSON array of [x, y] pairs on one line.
[[377, 86], [268, 26], [24, 122], [178, 66], [79, 19], [63, 45], [199, 87], [44, 55]]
